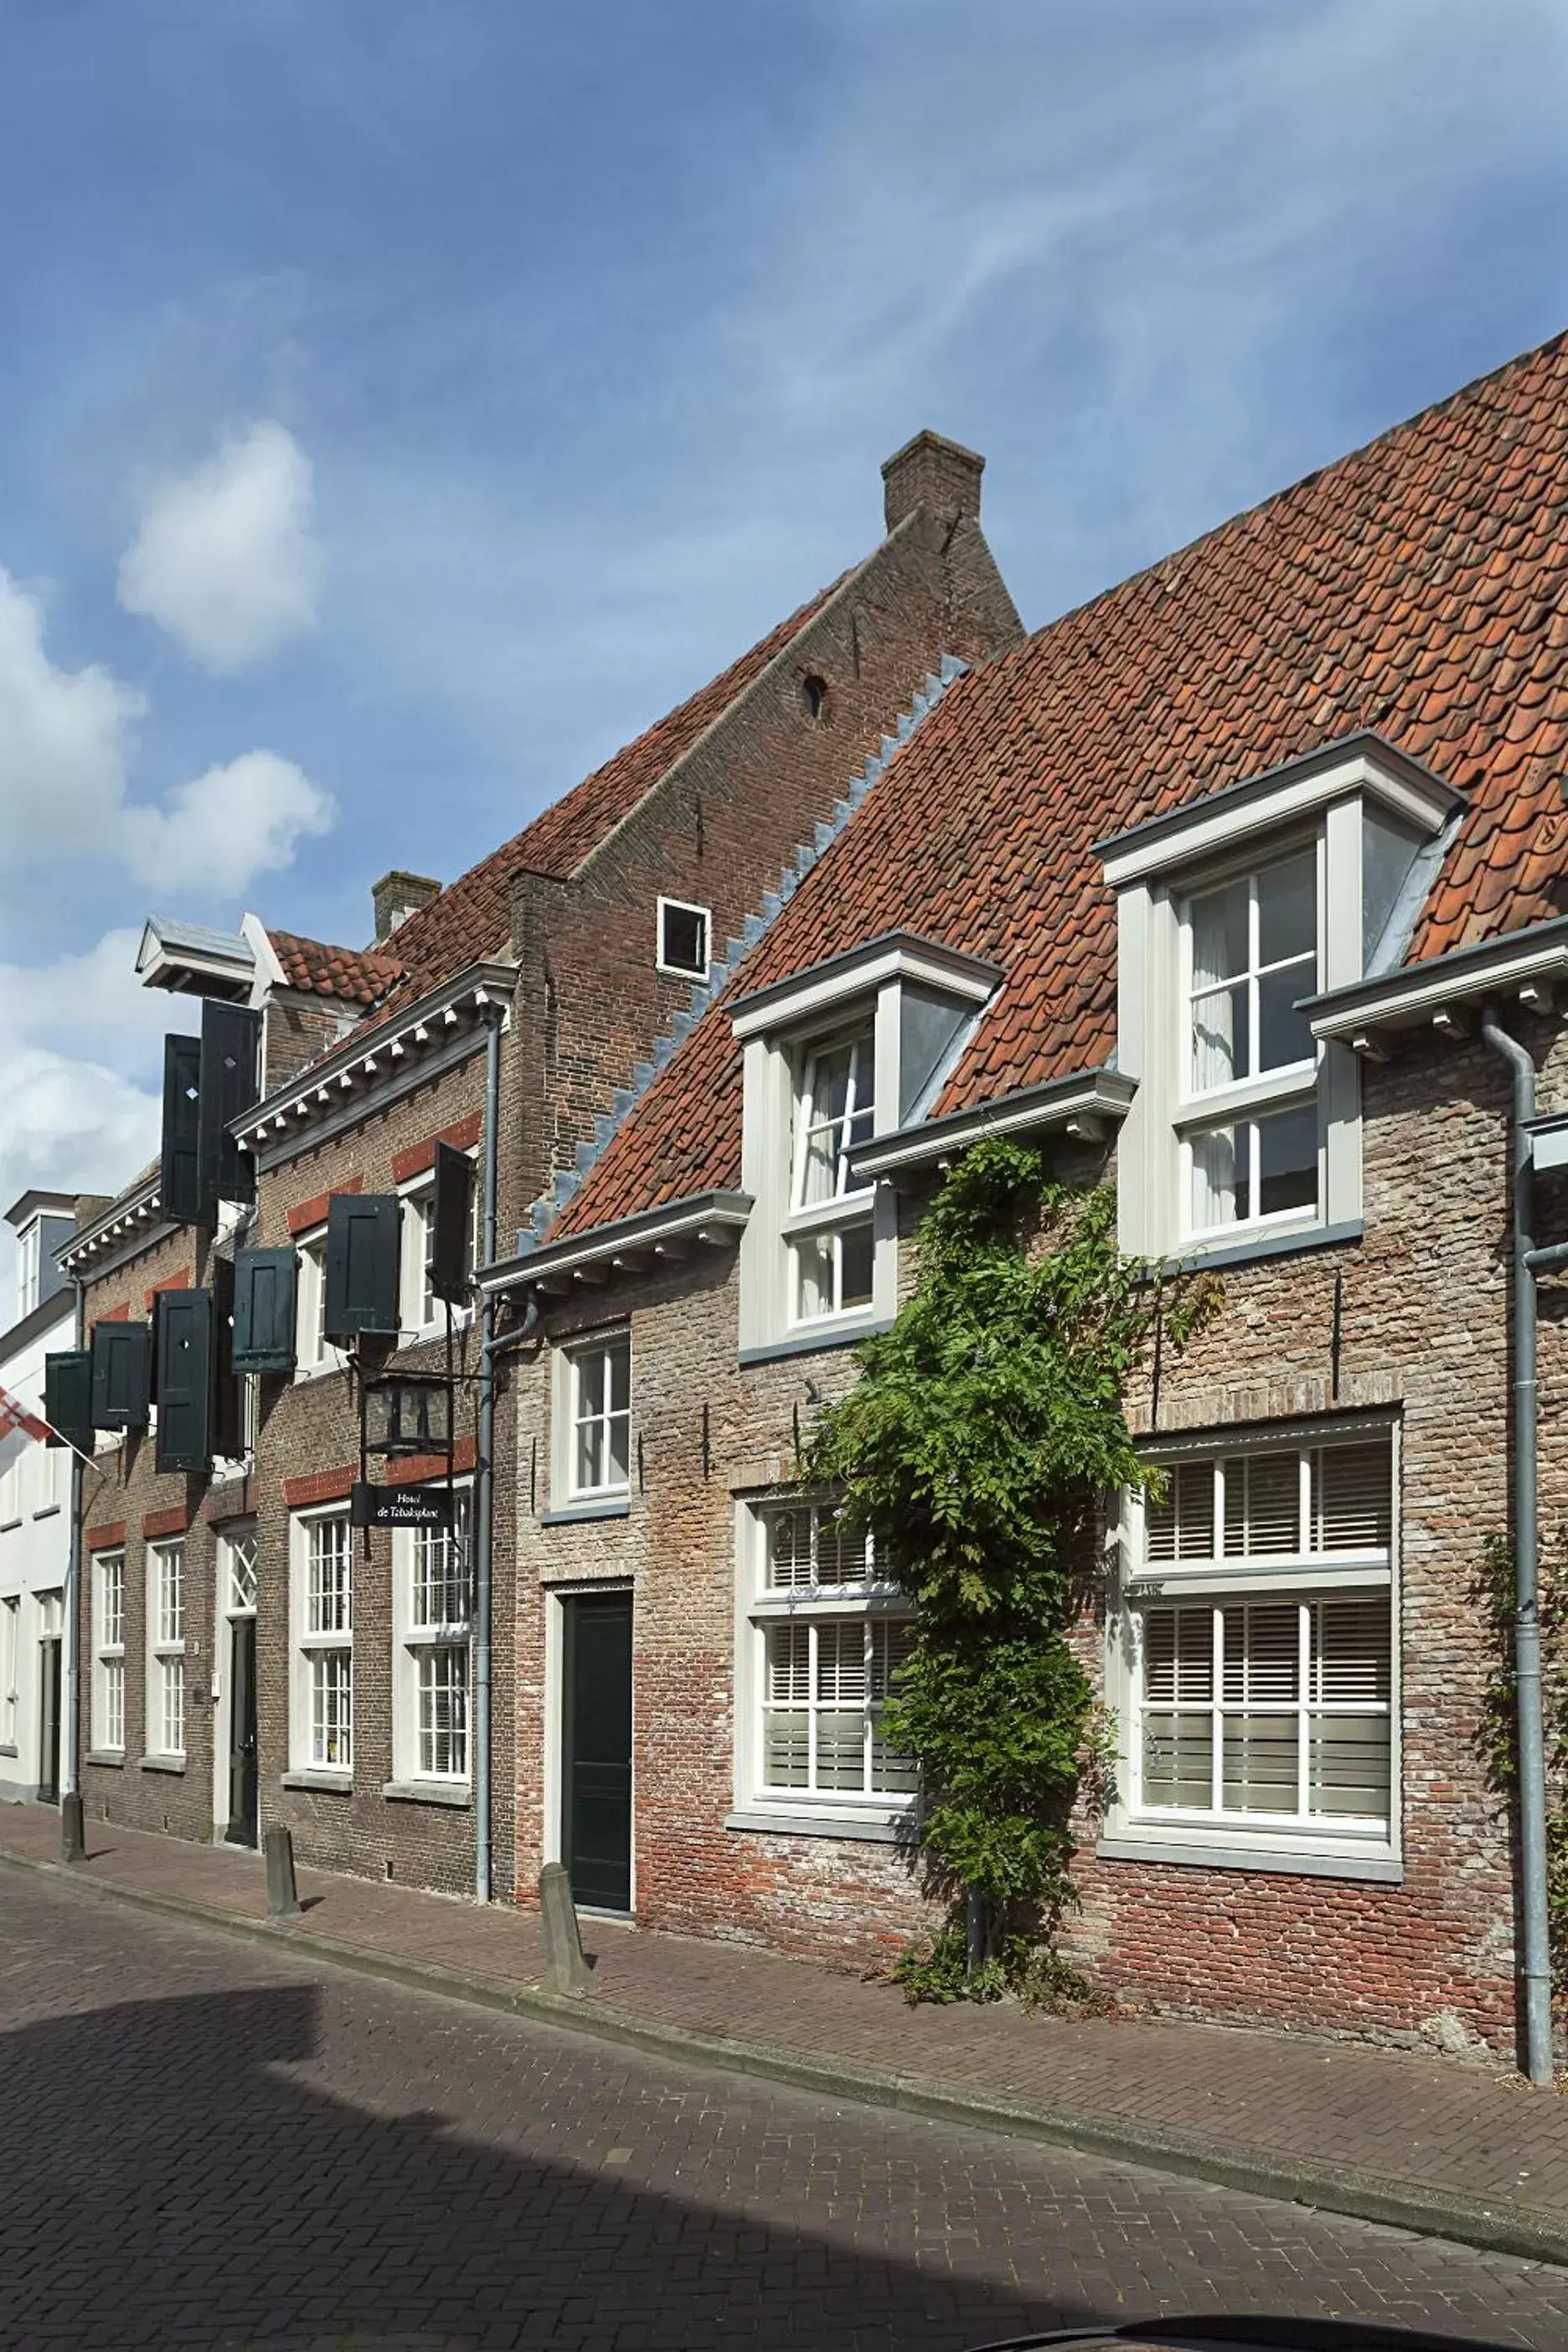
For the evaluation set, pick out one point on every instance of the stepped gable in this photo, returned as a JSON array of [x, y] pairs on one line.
[[1417, 587], [472, 917], [355, 975]]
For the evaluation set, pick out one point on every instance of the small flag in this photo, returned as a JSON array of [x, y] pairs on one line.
[[16, 1426]]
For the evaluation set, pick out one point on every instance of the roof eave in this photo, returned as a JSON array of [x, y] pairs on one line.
[[630, 1245], [1523, 964], [1078, 1105]]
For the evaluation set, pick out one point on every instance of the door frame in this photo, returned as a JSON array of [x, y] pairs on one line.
[[223, 1684], [553, 1776]]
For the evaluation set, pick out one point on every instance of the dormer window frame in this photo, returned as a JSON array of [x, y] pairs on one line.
[[785, 1031], [1157, 871]]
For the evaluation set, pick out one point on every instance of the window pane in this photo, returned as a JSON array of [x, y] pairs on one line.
[[855, 1258], [840, 1551], [1288, 1160], [619, 1357], [617, 1429], [1178, 1656], [841, 1750], [1352, 1497], [1220, 1038], [590, 1455], [814, 1276], [1219, 934], [1182, 1526], [892, 1641], [1262, 1764], [1353, 1652], [1178, 1752], [1287, 909], [819, 1168], [1262, 1653], [789, 1548], [1219, 1178], [1284, 1036], [1262, 1504], [1348, 1758], [590, 1366]]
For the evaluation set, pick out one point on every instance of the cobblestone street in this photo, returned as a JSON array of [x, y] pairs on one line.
[[210, 2145]]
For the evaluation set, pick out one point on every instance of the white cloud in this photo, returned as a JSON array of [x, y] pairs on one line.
[[65, 736], [216, 832], [224, 560]]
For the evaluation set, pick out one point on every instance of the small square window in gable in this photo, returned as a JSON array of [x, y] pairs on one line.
[[683, 940]]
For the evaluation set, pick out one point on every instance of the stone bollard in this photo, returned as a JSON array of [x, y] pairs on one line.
[[73, 1830], [282, 1896], [565, 1970]]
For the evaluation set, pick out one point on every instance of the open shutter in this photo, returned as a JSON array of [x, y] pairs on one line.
[[362, 1265], [68, 1398], [452, 1212], [185, 1379], [122, 1367], [227, 1433], [230, 1056], [263, 1311], [179, 1176]]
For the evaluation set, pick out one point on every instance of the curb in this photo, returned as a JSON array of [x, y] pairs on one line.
[[1526, 2232]]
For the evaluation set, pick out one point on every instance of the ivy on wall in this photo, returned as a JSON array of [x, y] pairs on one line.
[[986, 1427]]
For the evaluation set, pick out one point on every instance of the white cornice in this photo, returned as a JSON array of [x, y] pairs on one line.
[[895, 955], [1078, 1106], [1524, 965], [135, 1219], [631, 1245]]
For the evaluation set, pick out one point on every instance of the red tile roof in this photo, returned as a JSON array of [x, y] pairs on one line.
[[357, 975], [471, 919], [1418, 587]]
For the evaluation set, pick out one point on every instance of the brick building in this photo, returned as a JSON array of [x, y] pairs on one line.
[[1216, 885], [271, 1664]]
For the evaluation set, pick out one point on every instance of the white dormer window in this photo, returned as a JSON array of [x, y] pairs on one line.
[[1231, 912], [850, 1050]]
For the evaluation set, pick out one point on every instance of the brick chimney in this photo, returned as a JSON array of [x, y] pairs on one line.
[[396, 897], [940, 476]]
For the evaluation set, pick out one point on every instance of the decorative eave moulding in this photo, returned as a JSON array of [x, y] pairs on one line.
[[129, 1219], [1524, 967], [363, 1072], [631, 1245], [1080, 1105]]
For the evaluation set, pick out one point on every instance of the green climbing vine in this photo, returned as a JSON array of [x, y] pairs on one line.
[[987, 1426], [1498, 1732]]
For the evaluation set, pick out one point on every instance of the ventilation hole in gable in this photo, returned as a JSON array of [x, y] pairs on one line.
[[813, 694]]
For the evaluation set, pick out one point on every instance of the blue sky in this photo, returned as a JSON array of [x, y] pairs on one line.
[[401, 405]]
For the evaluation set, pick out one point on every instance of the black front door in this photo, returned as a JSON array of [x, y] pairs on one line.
[[596, 1750], [241, 1830], [49, 1720]]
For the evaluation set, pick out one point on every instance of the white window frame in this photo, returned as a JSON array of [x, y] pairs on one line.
[[682, 971], [567, 1416], [312, 1644], [421, 1314], [29, 1268], [1212, 1835], [871, 1601], [421, 1644], [1327, 797], [10, 1667], [778, 1032], [107, 1700], [167, 1604], [314, 1354]]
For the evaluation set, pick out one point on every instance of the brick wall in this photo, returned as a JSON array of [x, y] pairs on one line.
[[1424, 1315]]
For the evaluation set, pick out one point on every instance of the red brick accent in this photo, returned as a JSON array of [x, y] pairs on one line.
[[415, 1161], [181, 1281], [314, 1212], [420, 1466], [120, 1314], [104, 1538], [319, 1487], [165, 1523]]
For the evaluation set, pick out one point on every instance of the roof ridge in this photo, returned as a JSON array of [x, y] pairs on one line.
[[704, 994], [1277, 498]]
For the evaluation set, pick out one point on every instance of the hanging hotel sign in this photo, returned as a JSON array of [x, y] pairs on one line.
[[428, 1506]]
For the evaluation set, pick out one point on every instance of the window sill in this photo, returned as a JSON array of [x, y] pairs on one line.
[[1201, 1254], [340, 1784], [47, 1511], [454, 1793], [886, 1829], [814, 1343], [612, 1506], [111, 1760], [161, 1763], [1381, 1870]]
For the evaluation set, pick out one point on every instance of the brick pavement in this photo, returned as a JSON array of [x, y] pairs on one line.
[[1449, 2128], [228, 2145]]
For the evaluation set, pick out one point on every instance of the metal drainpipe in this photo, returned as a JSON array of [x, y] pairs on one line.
[[70, 1604], [484, 1476], [1537, 1970]]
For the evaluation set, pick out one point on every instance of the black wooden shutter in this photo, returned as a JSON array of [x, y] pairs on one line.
[[227, 1436], [264, 1311], [230, 1056], [185, 1379], [121, 1364], [179, 1177], [450, 1266], [68, 1398], [362, 1265]]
